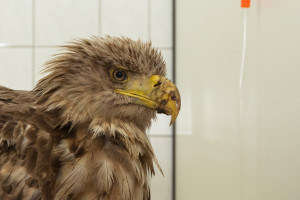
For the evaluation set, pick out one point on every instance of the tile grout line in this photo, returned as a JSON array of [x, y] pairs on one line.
[[99, 18], [33, 44], [4, 45], [149, 20], [160, 136]]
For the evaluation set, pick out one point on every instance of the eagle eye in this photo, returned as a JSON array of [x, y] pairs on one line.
[[119, 75]]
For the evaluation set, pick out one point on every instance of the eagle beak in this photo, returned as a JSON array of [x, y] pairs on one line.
[[156, 92]]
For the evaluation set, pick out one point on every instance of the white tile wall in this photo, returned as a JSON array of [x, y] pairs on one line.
[[53, 22], [42, 54], [161, 22], [160, 126], [60, 21], [16, 68], [161, 186], [168, 56], [15, 22], [126, 18]]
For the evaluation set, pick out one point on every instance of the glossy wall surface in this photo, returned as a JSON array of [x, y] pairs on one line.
[[222, 154]]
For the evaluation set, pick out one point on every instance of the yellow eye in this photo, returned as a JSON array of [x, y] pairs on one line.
[[119, 75]]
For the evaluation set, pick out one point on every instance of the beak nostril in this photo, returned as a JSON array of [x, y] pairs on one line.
[[157, 84]]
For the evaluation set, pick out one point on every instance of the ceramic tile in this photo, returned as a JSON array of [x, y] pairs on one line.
[[127, 18], [161, 186], [161, 22], [16, 68], [16, 22], [61, 21], [160, 126], [41, 56], [168, 56], [184, 121]]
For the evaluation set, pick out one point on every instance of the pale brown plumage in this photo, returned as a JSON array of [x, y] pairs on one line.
[[73, 136]]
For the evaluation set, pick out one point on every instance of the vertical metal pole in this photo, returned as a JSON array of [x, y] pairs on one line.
[[174, 80]]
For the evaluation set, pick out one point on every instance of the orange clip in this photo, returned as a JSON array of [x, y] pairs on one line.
[[245, 3]]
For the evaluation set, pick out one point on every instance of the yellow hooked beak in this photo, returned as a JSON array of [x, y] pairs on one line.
[[155, 92]]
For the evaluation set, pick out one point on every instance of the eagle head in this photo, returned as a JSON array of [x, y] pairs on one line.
[[107, 79]]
